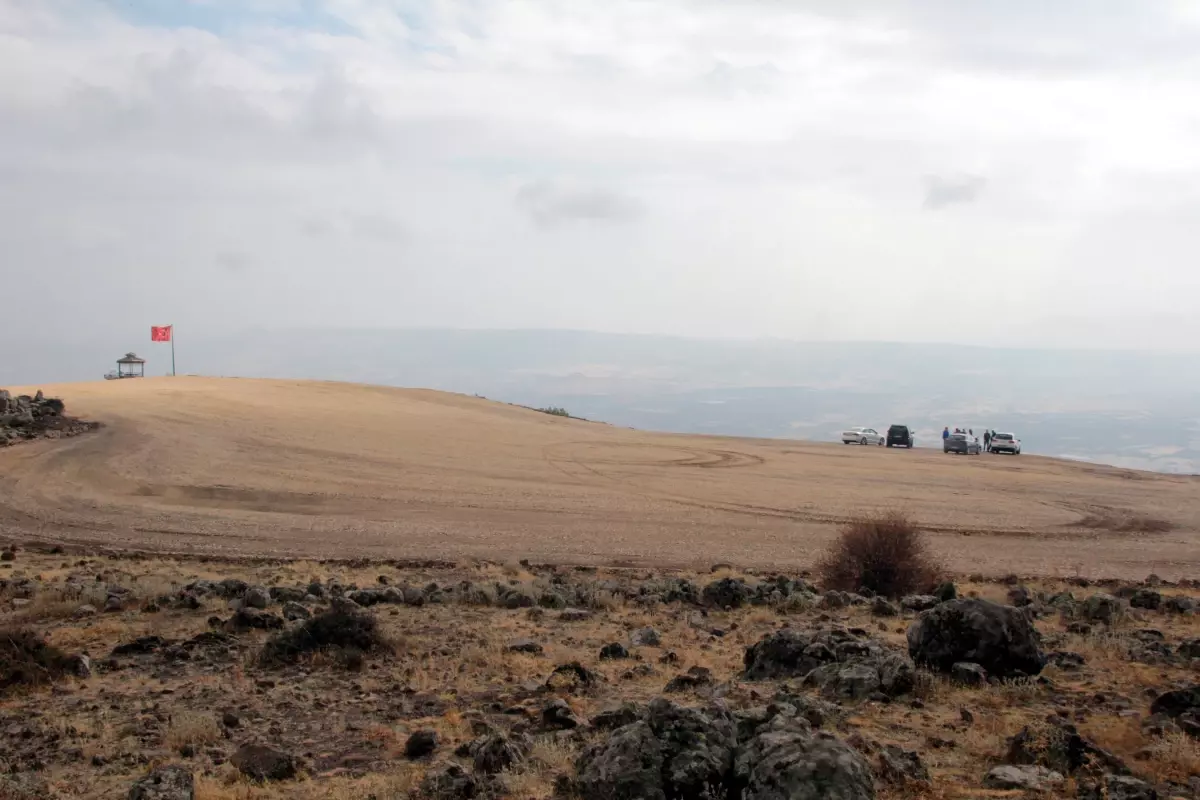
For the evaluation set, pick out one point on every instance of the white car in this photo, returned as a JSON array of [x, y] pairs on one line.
[[862, 436], [1005, 443]]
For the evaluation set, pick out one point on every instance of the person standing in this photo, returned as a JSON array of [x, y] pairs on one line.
[[945, 434], [987, 440]]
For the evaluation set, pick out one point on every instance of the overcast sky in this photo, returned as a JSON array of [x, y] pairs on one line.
[[1010, 173]]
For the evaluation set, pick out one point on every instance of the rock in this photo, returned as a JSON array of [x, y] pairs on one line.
[[113, 604], [1029, 778], [1146, 598], [1066, 660], [645, 637], [171, 782], [1120, 787], [626, 766], [575, 615], [1177, 702], [788, 762], [966, 673], [1057, 745], [495, 753], [1189, 648], [834, 600], [846, 664], [946, 592], [1180, 604], [449, 781], [8, 555], [613, 651], [80, 665], [230, 720], [294, 612], [726, 593], [252, 618], [288, 594], [900, 767], [524, 646], [1019, 596], [256, 597], [260, 762], [557, 715], [140, 646], [1102, 607], [694, 678], [571, 676], [880, 607], [618, 717], [998, 638], [420, 744], [517, 598], [920, 602], [697, 746], [551, 600]]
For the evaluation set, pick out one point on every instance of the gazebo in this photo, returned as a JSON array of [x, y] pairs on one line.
[[130, 366]]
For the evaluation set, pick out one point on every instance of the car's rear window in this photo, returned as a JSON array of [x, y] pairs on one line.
[[899, 429], [958, 436], [1002, 436]]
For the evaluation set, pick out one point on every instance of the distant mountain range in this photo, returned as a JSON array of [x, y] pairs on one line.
[[1139, 410]]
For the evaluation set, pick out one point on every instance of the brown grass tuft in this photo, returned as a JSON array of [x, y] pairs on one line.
[[27, 660], [194, 729], [887, 554]]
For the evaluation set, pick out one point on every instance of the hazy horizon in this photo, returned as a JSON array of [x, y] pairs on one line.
[[985, 174]]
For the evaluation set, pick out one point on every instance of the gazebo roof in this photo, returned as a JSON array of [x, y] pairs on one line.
[[131, 358]]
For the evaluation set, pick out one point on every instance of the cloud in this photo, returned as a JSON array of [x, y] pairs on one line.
[[549, 204], [233, 262], [943, 191]]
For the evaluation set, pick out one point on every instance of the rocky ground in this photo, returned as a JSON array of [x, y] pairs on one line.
[[170, 679], [25, 417]]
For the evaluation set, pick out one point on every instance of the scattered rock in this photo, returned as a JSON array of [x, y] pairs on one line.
[[697, 747], [252, 618], [1019, 596], [8, 555], [613, 651], [80, 665], [946, 592], [260, 762], [524, 646], [1066, 660], [230, 720], [726, 593], [1119, 787], [920, 602], [294, 612], [694, 678], [1189, 648], [880, 607], [645, 637], [1029, 778], [847, 664], [1146, 598], [495, 753], [968, 674], [557, 715], [575, 615], [1102, 607], [618, 717], [626, 766], [420, 744], [449, 781], [140, 646], [1177, 702], [171, 782], [1057, 744], [572, 676], [998, 638], [788, 762], [900, 767], [256, 597], [1180, 604]]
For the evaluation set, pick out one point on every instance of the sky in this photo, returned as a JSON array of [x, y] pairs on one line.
[[1012, 174]]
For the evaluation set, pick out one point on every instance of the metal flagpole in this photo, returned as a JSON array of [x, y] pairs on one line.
[[172, 351]]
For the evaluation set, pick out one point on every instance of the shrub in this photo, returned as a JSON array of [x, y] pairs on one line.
[[886, 554], [341, 631], [555, 411], [27, 660]]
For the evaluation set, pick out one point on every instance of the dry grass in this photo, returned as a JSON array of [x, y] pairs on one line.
[[236, 467], [887, 554], [191, 728]]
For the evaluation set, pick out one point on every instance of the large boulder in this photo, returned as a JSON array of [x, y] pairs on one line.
[[999, 638], [626, 766], [1178, 702], [698, 746], [263, 763], [727, 593], [171, 782], [1026, 778], [844, 663], [786, 761], [1102, 607]]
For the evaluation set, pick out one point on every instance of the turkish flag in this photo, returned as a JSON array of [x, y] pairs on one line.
[[160, 333]]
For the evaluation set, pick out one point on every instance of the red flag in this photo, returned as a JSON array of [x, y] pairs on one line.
[[160, 333]]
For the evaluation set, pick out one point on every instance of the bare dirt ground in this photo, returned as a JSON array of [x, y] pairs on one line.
[[289, 469]]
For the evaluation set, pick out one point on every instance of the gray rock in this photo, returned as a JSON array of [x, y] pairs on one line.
[[694, 678], [575, 615], [999, 638], [1123, 787], [517, 598], [524, 646], [899, 767], [1189, 648], [421, 744], [293, 612], [613, 651], [968, 674], [558, 715], [1102, 607], [788, 762], [80, 665], [1146, 598], [845, 664], [919, 602], [645, 637], [84, 611], [698, 746], [256, 597], [1180, 604], [260, 762], [1029, 778], [617, 717], [1058, 745], [626, 766], [880, 607], [171, 782], [495, 753], [727, 593], [1178, 702], [113, 604], [449, 781]]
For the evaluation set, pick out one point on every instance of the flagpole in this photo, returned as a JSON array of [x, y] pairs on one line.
[[172, 351]]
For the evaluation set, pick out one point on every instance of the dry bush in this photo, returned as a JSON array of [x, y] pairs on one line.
[[27, 660], [341, 632], [194, 729], [887, 554]]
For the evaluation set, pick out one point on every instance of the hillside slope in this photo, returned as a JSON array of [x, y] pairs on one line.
[[309, 469]]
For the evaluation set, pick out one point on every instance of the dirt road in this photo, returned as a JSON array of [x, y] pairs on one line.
[[304, 469]]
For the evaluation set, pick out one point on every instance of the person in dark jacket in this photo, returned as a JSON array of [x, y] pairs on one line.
[[987, 440]]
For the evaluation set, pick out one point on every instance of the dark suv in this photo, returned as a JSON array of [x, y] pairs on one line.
[[899, 436]]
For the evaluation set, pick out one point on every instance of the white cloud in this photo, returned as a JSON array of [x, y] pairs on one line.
[[776, 158]]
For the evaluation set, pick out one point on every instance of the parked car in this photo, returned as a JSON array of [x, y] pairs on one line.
[[861, 436], [900, 436], [1005, 443], [962, 443]]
